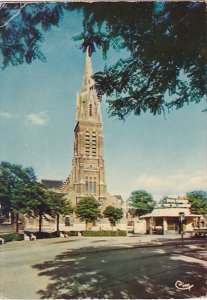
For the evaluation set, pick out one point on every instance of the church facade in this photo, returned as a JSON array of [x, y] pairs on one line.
[[87, 177]]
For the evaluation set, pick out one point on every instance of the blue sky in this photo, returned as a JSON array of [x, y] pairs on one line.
[[37, 111]]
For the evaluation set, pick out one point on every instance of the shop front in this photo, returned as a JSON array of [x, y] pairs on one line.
[[168, 221]]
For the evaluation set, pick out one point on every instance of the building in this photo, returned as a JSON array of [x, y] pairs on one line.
[[87, 177], [166, 219], [88, 173]]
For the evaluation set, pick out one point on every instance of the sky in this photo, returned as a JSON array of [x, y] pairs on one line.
[[162, 155]]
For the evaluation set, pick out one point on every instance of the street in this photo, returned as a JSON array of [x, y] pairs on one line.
[[78, 267]]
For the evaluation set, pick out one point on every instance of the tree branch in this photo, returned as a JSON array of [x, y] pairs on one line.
[[14, 16]]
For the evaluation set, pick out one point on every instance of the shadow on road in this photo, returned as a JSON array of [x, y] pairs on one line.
[[126, 273]]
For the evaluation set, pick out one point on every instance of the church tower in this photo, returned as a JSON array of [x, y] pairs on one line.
[[87, 177]]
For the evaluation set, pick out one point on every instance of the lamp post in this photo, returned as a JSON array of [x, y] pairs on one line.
[[182, 218]]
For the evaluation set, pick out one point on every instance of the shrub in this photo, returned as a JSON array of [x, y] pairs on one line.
[[104, 233], [72, 233], [12, 237], [43, 235]]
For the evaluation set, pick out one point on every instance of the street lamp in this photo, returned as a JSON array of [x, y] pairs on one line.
[[182, 218]]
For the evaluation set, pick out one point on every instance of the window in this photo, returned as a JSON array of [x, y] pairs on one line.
[[90, 110], [87, 143], [90, 184], [31, 221], [86, 184], [94, 144], [94, 185], [67, 221]]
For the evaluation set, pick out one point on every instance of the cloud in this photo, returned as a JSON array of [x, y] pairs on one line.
[[176, 184], [6, 115], [37, 119]]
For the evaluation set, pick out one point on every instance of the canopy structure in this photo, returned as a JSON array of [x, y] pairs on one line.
[[169, 212]]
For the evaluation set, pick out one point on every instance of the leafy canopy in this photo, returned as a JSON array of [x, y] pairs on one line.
[[141, 202], [163, 200], [58, 204], [113, 214], [164, 44], [21, 193], [198, 200], [16, 184], [22, 28], [166, 51], [88, 209]]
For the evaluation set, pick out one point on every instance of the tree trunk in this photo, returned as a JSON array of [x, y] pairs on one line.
[[12, 221], [17, 222], [58, 222], [40, 222]]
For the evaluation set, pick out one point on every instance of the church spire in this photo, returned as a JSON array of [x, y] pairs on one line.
[[88, 73], [87, 104]]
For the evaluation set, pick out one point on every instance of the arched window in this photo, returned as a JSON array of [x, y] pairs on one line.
[[90, 110], [86, 184], [90, 185], [94, 185], [67, 221], [87, 143]]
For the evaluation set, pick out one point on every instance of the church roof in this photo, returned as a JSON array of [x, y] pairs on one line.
[[52, 184], [119, 197]]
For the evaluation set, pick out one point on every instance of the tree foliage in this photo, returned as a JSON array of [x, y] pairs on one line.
[[58, 205], [22, 28], [20, 193], [165, 66], [88, 209], [113, 214], [39, 205], [166, 53], [16, 184], [198, 200], [141, 202], [163, 200]]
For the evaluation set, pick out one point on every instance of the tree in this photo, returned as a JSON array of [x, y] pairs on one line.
[[59, 206], [88, 210], [198, 200], [166, 56], [165, 44], [39, 205], [163, 200], [15, 185], [142, 202], [22, 28], [20, 193], [113, 214]]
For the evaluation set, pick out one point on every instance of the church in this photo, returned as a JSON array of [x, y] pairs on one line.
[[87, 177]]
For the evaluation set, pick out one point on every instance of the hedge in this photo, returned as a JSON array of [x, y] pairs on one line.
[[104, 233], [12, 237], [43, 235]]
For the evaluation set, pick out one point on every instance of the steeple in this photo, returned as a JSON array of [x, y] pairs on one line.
[[88, 73], [87, 104], [88, 174]]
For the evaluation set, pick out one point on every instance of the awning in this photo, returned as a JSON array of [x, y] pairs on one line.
[[171, 212]]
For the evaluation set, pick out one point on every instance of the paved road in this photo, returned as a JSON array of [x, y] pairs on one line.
[[101, 268]]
